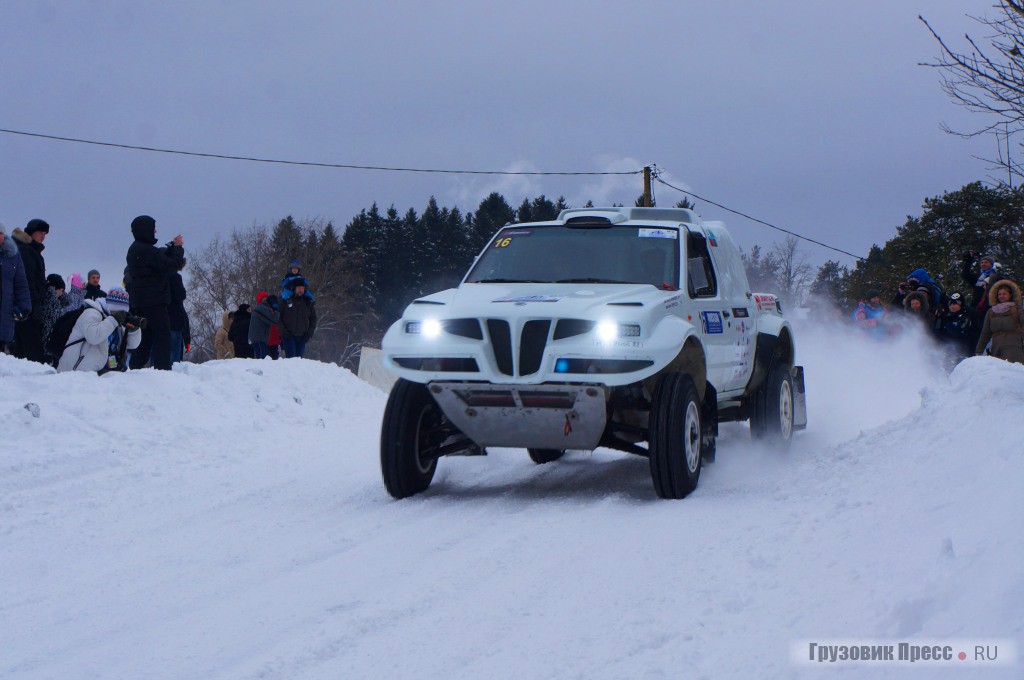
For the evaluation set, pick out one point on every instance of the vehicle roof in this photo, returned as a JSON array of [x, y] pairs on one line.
[[624, 214]]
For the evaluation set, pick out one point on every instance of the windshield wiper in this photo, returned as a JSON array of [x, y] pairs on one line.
[[590, 281], [506, 281]]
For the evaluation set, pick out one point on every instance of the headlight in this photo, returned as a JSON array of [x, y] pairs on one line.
[[609, 330], [430, 328]]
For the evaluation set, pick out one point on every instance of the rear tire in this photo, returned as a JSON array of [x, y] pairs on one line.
[[412, 428], [541, 456], [675, 437], [772, 418]]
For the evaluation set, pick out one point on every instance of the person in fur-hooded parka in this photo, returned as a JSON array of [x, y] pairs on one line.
[[1004, 324], [222, 344], [14, 290], [917, 305]]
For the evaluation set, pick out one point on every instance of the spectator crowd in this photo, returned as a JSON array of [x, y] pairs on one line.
[[990, 322], [75, 325]]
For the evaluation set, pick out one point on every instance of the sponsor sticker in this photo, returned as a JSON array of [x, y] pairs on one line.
[[647, 232], [529, 298], [711, 239], [712, 322], [740, 312]]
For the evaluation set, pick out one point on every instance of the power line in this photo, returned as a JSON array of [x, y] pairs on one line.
[[379, 168], [305, 163], [754, 219]]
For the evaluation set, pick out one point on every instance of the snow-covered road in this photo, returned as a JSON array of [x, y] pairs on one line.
[[228, 521]]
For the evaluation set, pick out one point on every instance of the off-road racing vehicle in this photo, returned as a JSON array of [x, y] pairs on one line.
[[607, 327]]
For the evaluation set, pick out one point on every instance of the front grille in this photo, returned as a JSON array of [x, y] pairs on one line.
[[531, 346], [567, 328], [466, 328], [501, 344]]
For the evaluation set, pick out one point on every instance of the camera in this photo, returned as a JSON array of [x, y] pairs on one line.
[[137, 321]]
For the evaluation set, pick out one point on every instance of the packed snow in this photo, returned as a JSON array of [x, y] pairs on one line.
[[227, 520]]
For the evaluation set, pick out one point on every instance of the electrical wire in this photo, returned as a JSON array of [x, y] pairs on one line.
[[305, 163], [346, 166], [754, 219]]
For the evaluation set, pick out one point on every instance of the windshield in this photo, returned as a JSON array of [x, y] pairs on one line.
[[560, 254]]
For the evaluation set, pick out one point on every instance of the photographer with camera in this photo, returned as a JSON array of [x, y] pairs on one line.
[[980, 279], [150, 270], [102, 333]]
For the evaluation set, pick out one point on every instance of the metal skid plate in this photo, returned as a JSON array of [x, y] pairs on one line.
[[525, 416]]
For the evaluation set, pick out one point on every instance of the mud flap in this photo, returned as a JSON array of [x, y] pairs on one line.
[[799, 399], [709, 423]]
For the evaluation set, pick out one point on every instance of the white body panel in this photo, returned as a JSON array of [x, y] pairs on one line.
[[725, 323]]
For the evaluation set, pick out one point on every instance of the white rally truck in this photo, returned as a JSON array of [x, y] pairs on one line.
[[628, 328]]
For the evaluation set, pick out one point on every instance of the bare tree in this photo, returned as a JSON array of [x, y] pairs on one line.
[[232, 270], [989, 80], [794, 273]]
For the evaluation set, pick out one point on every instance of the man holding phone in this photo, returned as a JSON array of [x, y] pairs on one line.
[[149, 275]]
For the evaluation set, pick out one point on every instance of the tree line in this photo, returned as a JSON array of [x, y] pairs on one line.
[[364, 276]]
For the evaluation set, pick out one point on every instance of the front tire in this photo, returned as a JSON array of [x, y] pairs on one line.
[[772, 417], [542, 456], [675, 436], [411, 432]]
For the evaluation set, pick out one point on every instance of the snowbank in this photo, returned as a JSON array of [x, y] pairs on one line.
[[228, 521]]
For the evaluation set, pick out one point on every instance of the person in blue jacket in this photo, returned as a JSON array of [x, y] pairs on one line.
[[919, 278], [293, 274], [870, 315]]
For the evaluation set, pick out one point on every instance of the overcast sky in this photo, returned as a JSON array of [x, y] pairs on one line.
[[809, 114]]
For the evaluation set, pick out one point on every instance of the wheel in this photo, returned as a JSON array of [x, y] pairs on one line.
[[674, 437], [541, 456], [413, 429], [772, 417]]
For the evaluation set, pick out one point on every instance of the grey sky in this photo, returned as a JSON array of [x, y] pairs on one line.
[[811, 114]]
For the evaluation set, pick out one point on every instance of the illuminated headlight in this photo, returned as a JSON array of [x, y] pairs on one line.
[[607, 330], [431, 328]]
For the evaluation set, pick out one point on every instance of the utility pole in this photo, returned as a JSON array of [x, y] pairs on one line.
[[647, 186]]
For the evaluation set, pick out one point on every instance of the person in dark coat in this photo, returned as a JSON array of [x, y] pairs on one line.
[[92, 286], [150, 270], [954, 329], [264, 318], [53, 307], [917, 305], [178, 315], [239, 333], [28, 333], [15, 299], [980, 279], [298, 320]]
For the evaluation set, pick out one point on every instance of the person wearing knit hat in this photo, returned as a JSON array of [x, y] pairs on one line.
[[294, 273], [37, 225], [101, 335], [149, 270], [53, 307], [92, 286], [15, 300], [980, 280], [264, 318], [28, 334], [954, 329], [870, 315], [75, 293], [239, 332]]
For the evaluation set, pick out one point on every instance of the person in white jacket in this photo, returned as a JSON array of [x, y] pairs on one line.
[[97, 334]]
